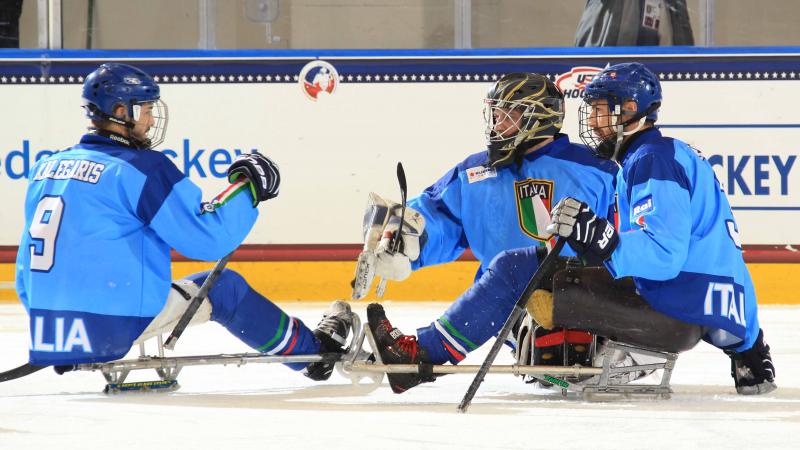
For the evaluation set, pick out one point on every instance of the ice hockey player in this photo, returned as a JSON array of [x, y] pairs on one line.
[[93, 268], [677, 236], [492, 202]]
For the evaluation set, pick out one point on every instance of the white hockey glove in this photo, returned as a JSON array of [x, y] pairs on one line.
[[385, 254]]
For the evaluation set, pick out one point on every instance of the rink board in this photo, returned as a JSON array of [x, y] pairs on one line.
[[327, 280], [423, 108]]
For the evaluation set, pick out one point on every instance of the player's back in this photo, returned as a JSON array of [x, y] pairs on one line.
[[707, 281], [88, 258]]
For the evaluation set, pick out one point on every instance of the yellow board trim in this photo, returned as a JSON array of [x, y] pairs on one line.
[[328, 280]]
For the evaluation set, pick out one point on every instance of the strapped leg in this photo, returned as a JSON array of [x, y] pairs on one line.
[[590, 299]]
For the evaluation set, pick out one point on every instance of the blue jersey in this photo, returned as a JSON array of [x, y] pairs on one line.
[[93, 267], [492, 210], [679, 241]]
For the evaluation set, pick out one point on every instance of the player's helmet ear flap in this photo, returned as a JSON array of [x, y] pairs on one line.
[[538, 107], [616, 85], [111, 85]]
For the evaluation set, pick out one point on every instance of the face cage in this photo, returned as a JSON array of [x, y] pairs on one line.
[[158, 132], [532, 112], [587, 133]]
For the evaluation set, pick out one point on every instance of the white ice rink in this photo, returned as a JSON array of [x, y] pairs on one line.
[[271, 407]]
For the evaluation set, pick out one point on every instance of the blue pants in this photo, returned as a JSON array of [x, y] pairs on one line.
[[480, 312], [255, 320]]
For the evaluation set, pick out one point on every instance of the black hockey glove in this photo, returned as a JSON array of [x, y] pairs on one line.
[[260, 171], [752, 370], [593, 239]]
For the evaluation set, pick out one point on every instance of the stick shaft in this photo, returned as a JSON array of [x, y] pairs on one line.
[[197, 300], [516, 313]]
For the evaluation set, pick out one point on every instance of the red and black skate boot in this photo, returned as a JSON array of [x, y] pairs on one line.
[[398, 348]]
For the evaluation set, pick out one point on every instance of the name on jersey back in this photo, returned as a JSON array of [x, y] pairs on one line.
[[76, 169]]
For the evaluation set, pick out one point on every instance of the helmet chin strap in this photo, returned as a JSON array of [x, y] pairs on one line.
[[621, 133]]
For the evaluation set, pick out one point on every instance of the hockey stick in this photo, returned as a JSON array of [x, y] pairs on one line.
[[401, 180], [516, 313], [19, 372], [197, 300]]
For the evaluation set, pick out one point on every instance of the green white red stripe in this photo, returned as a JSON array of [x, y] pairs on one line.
[[229, 192]]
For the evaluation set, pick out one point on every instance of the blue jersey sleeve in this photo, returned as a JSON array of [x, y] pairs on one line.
[[172, 207], [660, 206], [440, 204]]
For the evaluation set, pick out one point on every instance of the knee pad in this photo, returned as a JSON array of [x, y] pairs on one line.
[[178, 299]]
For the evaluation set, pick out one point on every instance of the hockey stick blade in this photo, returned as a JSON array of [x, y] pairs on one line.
[[196, 302], [19, 372], [516, 313]]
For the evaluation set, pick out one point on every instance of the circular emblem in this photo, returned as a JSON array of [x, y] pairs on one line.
[[318, 77], [132, 80]]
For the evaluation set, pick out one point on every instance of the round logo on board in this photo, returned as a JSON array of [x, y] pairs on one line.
[[318, 78]]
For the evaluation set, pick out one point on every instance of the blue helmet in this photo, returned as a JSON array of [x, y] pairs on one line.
[[112, 85], [617, 85], [627, 81]]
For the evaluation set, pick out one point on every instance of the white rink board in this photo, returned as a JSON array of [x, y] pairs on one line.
[[332, 152]]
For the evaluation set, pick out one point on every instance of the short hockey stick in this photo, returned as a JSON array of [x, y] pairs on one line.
[[194, 305], [516, 313]]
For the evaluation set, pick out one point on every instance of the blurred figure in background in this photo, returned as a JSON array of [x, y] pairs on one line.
[[609, 23], [10, 11]]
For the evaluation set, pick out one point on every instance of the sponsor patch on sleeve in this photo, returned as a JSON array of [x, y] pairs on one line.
[[642, 208], [480, 173]]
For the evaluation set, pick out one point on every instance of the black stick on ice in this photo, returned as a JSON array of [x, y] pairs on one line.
[[197, 300], [516, 313], [19, 372]]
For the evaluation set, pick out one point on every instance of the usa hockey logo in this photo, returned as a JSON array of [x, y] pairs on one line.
[[573, 83], [534, 213], [318, 77]]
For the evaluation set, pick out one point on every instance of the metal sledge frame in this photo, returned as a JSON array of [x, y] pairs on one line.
[[607, 386], [602, 385], [168, 368], [356, 365]]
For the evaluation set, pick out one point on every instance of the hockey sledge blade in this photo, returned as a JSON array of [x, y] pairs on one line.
[[142, 386]]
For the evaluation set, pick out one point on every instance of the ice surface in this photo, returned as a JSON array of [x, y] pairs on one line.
[[269, 406]]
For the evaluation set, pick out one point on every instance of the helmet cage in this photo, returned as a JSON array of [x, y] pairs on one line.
[[530, 125], [160, 114], [587, 133]]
